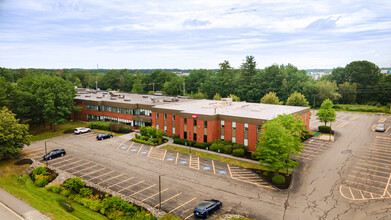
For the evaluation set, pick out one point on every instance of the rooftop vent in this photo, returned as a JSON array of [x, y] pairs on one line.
[[127, 100], [87, 95], [113, 98], [145, 96], [99, 97], [105, 93]]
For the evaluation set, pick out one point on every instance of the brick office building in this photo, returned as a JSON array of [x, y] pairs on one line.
[[196, 120]]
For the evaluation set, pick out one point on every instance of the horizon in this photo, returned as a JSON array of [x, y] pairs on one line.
[[193, 34]]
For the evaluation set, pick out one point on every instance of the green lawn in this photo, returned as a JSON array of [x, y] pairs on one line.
[[37, 197], [215, 157], [40, 132]]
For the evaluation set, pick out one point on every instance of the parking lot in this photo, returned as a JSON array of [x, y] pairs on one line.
[[371, 173], [174, 200], [312, 149]]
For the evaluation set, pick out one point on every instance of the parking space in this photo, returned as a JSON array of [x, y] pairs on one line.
[[383, 120], [246, 175], [370, 175], [312, 149]]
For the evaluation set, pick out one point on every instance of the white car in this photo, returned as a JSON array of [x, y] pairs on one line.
[[81, 130]]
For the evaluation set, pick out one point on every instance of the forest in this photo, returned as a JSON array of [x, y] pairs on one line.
[[359, 82]]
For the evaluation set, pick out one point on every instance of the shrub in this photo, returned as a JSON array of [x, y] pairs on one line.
[[238, 152], [54, 188], [40, 171], [96, 205], [324, 129], [183, 141], [216, 147], [305, 134], [113, 206], [85, 192], [239, 146], [200, 145], [65, 192], [255, 155], [74, 184], [278, 179], [109, 126], [265, 173], [41, 182], [227, 149]]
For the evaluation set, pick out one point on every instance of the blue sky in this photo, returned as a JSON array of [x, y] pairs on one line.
[[192, 34]]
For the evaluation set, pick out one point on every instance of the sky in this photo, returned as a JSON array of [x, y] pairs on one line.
[[193, 34]]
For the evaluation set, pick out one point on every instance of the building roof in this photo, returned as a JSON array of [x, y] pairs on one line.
[[186, 105], [235, 109]]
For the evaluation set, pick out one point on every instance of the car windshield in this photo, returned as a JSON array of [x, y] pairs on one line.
[[205, 204], [380, 125]]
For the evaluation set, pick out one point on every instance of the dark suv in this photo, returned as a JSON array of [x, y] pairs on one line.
[[54, 153]]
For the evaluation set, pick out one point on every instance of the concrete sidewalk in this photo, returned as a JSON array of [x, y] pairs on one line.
[[24, 210]]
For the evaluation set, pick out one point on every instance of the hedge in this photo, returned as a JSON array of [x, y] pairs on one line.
[[112, 207], [144, 142], [109, 126], [238, 152], [183, 141], [42, 177], [324, 129]]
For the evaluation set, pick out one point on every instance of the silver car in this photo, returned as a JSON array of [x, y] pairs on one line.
[[81, 130], [380, 127]]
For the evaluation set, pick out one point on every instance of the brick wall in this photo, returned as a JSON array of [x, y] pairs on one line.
[[213, 130], [169, 124], [153, 115], [200, 131], [252, 137], [161, 121], [228, 130], [239, 133]]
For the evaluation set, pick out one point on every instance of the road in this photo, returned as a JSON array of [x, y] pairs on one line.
[[335, 180]]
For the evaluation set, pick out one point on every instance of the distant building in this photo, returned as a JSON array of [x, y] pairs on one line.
[[317, 75], [388, 72]]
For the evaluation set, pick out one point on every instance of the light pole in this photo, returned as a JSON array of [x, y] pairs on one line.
[[160, 192], [46, 153]]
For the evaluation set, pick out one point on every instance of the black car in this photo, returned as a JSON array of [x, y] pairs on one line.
[[207, 207], [54, 153], [103, 136]]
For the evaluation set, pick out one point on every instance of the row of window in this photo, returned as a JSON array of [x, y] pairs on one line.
[[120, 120], [119, 110]]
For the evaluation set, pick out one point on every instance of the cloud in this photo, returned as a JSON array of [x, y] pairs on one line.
[[195, 23], [323, 24]]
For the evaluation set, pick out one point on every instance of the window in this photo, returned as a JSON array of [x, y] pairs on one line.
[[233, 139], [165, 116], [92, 107], [173, 118], [205, 138], [222, 123], [205, 124], [194, 137], [259, 128], [157, 126], [233, 125], [157, 115], [194, 122], [139, 123], [173, 130], [245, 143], [92, 118], [222, 137], [165, 128], [245, 127]]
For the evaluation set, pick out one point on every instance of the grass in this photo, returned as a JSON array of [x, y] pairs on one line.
[[40, 132], [216, 157], [42, 200]]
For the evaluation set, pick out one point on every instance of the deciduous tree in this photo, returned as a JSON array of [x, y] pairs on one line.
[[326, 112], [271, 98], [297, 99], [13, 136]]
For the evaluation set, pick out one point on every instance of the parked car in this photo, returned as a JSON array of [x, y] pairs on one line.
[[207, 207], [380, 127], [103, 136], [81, 130], [54, 153]]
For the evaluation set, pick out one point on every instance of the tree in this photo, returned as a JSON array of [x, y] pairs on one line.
[[271, 98], [173, 87], [362, 73], [327, 90], [13, 136], [138, 86], [348, 92], [297, 99], [217, 96], [279, 141], [44, 98], [234, 98], [326, 112]]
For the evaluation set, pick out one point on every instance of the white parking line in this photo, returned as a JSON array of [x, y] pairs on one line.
[[143, 190], [154, 195], [140, 149], [182, 205], [129, 147], [168, 199], [101, 175]]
